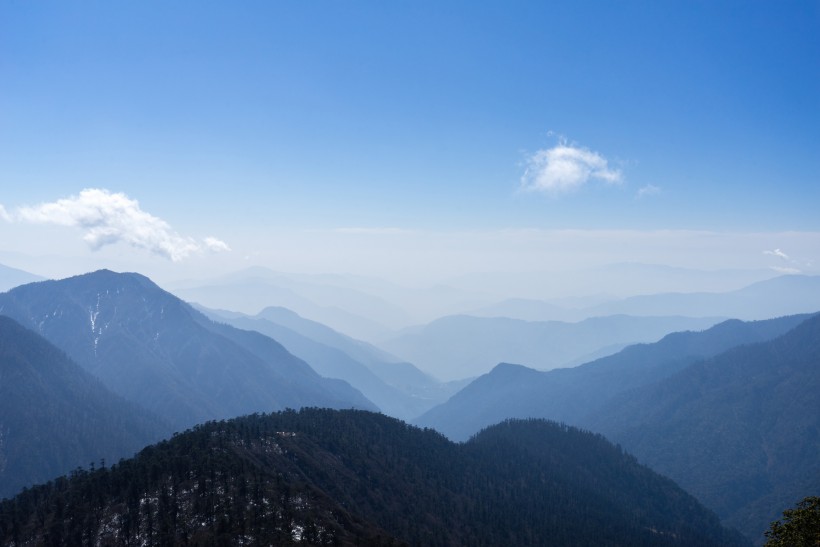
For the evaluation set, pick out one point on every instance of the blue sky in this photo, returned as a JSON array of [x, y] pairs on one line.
[[292, 131]]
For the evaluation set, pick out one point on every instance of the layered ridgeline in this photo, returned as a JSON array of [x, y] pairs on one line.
[[570, 394], [154, 349], [399, 389], [461, 346], [55, 417], [327, 477], [731, 413], [740, 431], [782, 295]]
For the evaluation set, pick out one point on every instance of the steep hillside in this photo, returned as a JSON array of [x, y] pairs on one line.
[[568, 395], [326, 477], [154, 349], [741, 431], [54, 416]]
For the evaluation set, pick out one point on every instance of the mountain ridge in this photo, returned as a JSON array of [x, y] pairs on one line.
[[353, 477], [152, 348]]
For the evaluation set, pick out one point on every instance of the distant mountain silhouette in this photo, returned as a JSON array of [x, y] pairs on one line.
[[741, 430], [332, 362], [400, 374], [783, 295], [570, 394], [347, 310], [324, 477], [462, 346], [12, 277], [55, 417], [154, 349]]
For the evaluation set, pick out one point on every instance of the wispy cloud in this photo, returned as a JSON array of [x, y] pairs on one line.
[[566, 167], [107, 218], [793, 266], [778, 253], [215, 245], [648, 190], [4, 215]]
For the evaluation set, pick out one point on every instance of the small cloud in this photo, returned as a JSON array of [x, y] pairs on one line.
[[4, 215], [108, 218], [648, 190], [566, 167], [216, 245], [778, 253]]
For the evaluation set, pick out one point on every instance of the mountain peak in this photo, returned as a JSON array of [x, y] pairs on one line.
[[509, 369]]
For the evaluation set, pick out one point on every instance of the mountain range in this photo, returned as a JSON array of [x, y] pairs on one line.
[[741, 430], [324, 477], [95, 366], [731, 413], [397, 389], [157, 351], [782, 295], [459, 347], [570, 394]]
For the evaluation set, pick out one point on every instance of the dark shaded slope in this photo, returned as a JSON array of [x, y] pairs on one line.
[[152, 348], [352, 477], [54, 416], [741, 431], [512, 391]]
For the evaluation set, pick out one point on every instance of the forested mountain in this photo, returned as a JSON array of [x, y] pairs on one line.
[[459, 347], [154, 349], [357, 478], [383, 382], [55, 417], [569, 394], [740, 431]]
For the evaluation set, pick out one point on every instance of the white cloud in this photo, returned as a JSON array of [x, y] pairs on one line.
[[108, 218], [648, 190], [778, 253], [566, 167], [216, 245], [4, 215]]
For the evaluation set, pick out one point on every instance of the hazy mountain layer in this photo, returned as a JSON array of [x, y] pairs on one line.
[[325, 477], [389, 385], [462, 346], [568, 395], [54, 416], [784, 295], [12, 277], [150, 347], [741, 431]]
